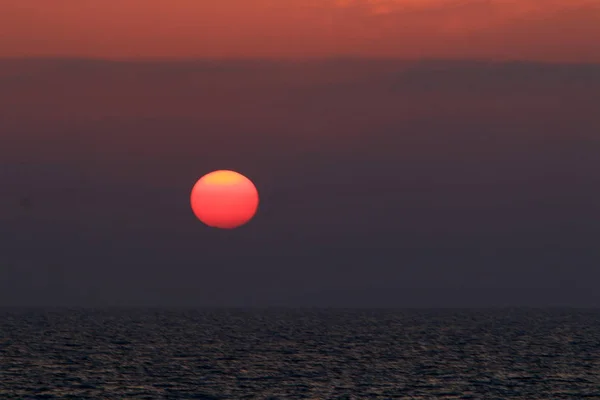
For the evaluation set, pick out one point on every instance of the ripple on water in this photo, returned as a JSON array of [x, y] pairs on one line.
[[304, 354]]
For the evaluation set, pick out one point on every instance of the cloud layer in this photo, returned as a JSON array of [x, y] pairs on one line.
[[551, 30]]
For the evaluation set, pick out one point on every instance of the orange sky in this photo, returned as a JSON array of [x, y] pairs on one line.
[[545, 30]]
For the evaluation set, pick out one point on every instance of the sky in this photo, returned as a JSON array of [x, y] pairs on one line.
[[406, 153], [540, 30]]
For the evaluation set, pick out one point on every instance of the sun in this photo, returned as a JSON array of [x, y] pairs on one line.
[[224, 199]]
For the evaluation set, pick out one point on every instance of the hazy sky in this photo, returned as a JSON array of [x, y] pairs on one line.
[[549, 30], [439, 181]]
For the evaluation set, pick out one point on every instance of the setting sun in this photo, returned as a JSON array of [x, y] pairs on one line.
[[224, 199]]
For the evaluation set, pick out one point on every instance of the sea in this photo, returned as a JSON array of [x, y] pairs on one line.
[[510, 353]]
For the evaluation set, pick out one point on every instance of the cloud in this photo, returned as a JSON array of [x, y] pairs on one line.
[[497, 29], [515, 8], [540, 30], [467, 15]]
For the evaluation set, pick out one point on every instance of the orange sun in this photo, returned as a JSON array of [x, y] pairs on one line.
[[224, 199]]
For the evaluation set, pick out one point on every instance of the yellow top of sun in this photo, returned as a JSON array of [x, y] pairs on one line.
[[223, 177]]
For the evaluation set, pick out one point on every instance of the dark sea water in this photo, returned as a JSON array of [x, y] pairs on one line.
[[300, 354]]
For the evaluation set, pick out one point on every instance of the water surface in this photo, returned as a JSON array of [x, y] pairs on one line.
[[300, 354]]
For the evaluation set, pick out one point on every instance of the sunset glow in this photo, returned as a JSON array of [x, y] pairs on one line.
[[543, 30]]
